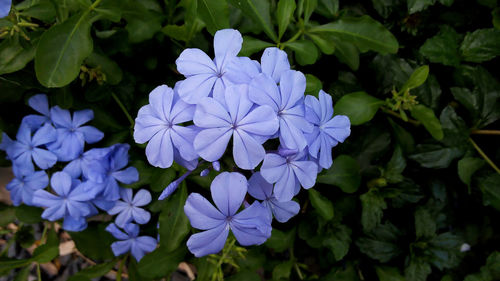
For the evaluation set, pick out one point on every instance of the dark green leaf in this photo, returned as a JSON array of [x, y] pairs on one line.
[[338, 241], [425, 224], [14, 55], [7, 215], [395, 167], [258, 11], [435, 156], [142, 23], [305, 51], [418, 5], [332, 6], [443, 48], [360, 107], [284, 15], [23, 274], [244, 275], [404, 139], [45, 253], [386, 273], [174, 225], [324, 42], [364, 32], [214, 13], [344, 173], [323, 206], [110, 68], [381, 243], [456, 132], [281, 240], [61, 51], [252, 45], [29, 214], [425, 115], [343, 273], [161, 178], [43, 10], [347, 53], [88, 245], [373, 209], [467, 166], [313, 85], [481, 45], [417, 270], [309, 6], [282, 270], [491, 190], [160, 263], [94, 271]]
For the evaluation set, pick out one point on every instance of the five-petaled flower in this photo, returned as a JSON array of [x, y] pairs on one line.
[[130, 241], [128, 209]]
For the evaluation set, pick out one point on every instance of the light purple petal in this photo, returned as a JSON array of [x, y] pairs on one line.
[[40, 103], [283, 211], [194, 62], [127, 176], [247, 152], [44, 135], [260, 121], [91, 134], [183, 138], [264, 91], [81, 117], [211, 114], [159, 151], [201, 213], [284, 189], [116, 232], [211, 144], [61, 183], [252, 225], [228, 191], [194, 88], [61, 117], [274, 62], [259, 188], [290, 136], [140, 216], [141, 198], [227, 44], [339, 127], [121, 247], [306, 172], [209, 241], [273, 168], [126, 195], [292, 88]]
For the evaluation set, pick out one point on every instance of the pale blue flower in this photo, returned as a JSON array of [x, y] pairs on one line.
[[40, 104], [128, 209], [23, 187], [130, 241], [5, 7]]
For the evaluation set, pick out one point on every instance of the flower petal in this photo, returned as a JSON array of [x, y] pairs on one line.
[[61, 117], [292, 88], [201, 213], [247, 152], [40, 103], [194, 88], [228, 191], [260, 121], [264, 91], [273, 168], [211, 114], [274, 62], [283, 211], [209, 241], [91, 134], [211, 144], [141, 198], [227, 44], [140, 216], [127, 176], [259, 188], [252, 226], [81, 117], [194, 62], [159, 150]]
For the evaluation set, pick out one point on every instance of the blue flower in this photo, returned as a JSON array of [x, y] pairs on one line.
[[27, 147], [105, 174], [157, 122], [5, 7], [130, 241], [235, 116], [129, 207], [260, 189], [328, 131], [204, 75], [71, 135], [274, 62], [70, 202], [83, 164], [39, 103], [287, 101], [22, 187], [252, 226], [289, 173]]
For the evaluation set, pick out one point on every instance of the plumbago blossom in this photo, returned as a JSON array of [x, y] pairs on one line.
[[83, 183], [257, 114]]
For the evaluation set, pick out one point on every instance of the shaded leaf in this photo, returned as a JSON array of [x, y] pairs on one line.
[[428, 119], [344, 173], [214, 13], [443, 48], [360, 107], [174, 224], [323, 206], [481, 45], [284, 15], [258, 11]]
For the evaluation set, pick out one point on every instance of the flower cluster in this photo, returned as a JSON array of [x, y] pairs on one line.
[[251, 103], [85, 182]]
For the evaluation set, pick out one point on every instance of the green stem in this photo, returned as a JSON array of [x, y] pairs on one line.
[[485, 132], [129, 117], [44, 233], [485, 157], [299, 273], [38, 272], [395, 114], [293, 39], [120, 269]]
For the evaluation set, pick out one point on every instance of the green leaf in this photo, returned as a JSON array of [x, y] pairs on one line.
[[425, 224], [417, 78], [214, 13], [386, 273], [373, 205], [347, 53], [417, 270], [467, 166], [425, 115], [395, 167], [308, 6], [244, 275], [89, 246], [364, 32], [495, 14], [418, 5], [142, 23], [404, 139], [258, 11], [29, 214], [23, 274], [109, 67], [161, 178], [435, 156], [338, 241], [281, 240], [456, 132], [282, 270], [332, 6], [344, 173], [45, 253], [469, 100], [252, 45], [43, 10], [313, 85], [443, 48], [160, 263], [481, 45], [8, 264], [7, 215], [94, 271], [110, 10], [490, 271], [323, 206], [14, 55], [343, 273], [305, 51], [360, 107], [325, 43], [491, 190], [284, 15], [174, 225], [381, 243], [61, 51]]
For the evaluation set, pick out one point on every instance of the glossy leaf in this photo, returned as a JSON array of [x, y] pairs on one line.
[[305, 51], [284, 15], [428, 119], [417, 78], [174, 224], [259, 12], [360, 107], [214, 13], [344, 173], [323, 206], [481, 45]]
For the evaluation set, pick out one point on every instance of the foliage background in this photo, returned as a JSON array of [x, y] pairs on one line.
[[402, 196]]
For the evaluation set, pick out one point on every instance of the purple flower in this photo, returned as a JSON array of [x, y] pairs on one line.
[[260, 189], [274, 62], [289, 173], [40, 104], [86, 162], [157, 122], [129, 207], [70, 199], [288, 103], [252, 226], [130, 241], [71, 135], [23, 187], [328, 131], [5, 7], [237, 116], [28, 147], [105, 175], [204, 75]]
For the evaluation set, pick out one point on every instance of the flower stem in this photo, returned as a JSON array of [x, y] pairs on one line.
[[120, 269], [485, 132], [38, 272], [129, 117], [395, 114], [485, 157]]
